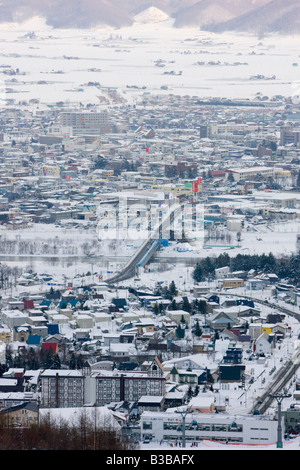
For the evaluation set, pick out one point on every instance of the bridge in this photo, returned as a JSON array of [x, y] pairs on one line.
[[147, 249]]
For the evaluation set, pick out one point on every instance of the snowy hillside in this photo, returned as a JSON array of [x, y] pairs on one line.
[[151, 15]]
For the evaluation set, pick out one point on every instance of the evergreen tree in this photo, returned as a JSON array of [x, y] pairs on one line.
[[156, 309], [186, 305], [56, 363], [180, 332], [197, 330], [73, 362], [190, 393], [198, 273], [172, 291], [202, 306], [230, 178]]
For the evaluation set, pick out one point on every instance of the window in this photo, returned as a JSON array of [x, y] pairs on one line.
[[147, 425]]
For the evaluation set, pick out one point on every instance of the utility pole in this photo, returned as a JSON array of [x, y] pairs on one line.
[[183, 414], [279, 398]]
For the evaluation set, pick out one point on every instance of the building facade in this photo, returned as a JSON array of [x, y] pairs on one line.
[[62, 388], [74, 388], [202, 426]]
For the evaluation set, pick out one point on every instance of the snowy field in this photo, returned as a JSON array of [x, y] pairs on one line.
[[56, 65]]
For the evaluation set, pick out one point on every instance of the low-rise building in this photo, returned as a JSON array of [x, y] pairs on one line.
[[243, 429]]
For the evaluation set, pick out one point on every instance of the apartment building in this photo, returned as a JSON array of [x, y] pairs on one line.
[[130, 386], [62, 388], [85, 122], [289, 136], [75, 388]]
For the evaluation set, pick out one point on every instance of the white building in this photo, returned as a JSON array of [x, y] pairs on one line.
[[2, 352], [248, 429]]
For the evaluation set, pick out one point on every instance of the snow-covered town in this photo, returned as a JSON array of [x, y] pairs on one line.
[[149, 237]]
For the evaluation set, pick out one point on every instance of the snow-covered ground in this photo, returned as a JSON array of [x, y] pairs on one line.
[[59, 63], [292, 444]]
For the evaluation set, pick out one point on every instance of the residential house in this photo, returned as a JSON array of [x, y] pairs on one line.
[[24, 414], [232, 283], [21, 333], [202, 403], [264, 344], [150, 403], [13, 318], [181, 376], [178, 315], [5, 335], [221, 320]]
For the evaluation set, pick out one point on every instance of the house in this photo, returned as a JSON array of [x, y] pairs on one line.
[[13, 318], [231, 373], [280, 330], [264, 344], [221, 320], [24, 414], [181, 376], [150, 403], [232, 283], [92, 346], [81, 334], [233, 356], [202, 403], [21, 333], [37, 321], [175, 398], [178, 315], [145, 326], [34, 340], [122, 350], [239, 311], [53, 347], [11, 384], [84, 321], [5, 335], [28, 305]]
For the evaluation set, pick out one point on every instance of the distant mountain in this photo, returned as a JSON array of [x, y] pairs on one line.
[[277, 16], [66, 13], [212, 12]]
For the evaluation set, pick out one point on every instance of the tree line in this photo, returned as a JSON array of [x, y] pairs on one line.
[[37, 358], [50, 435], [287, 267]]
